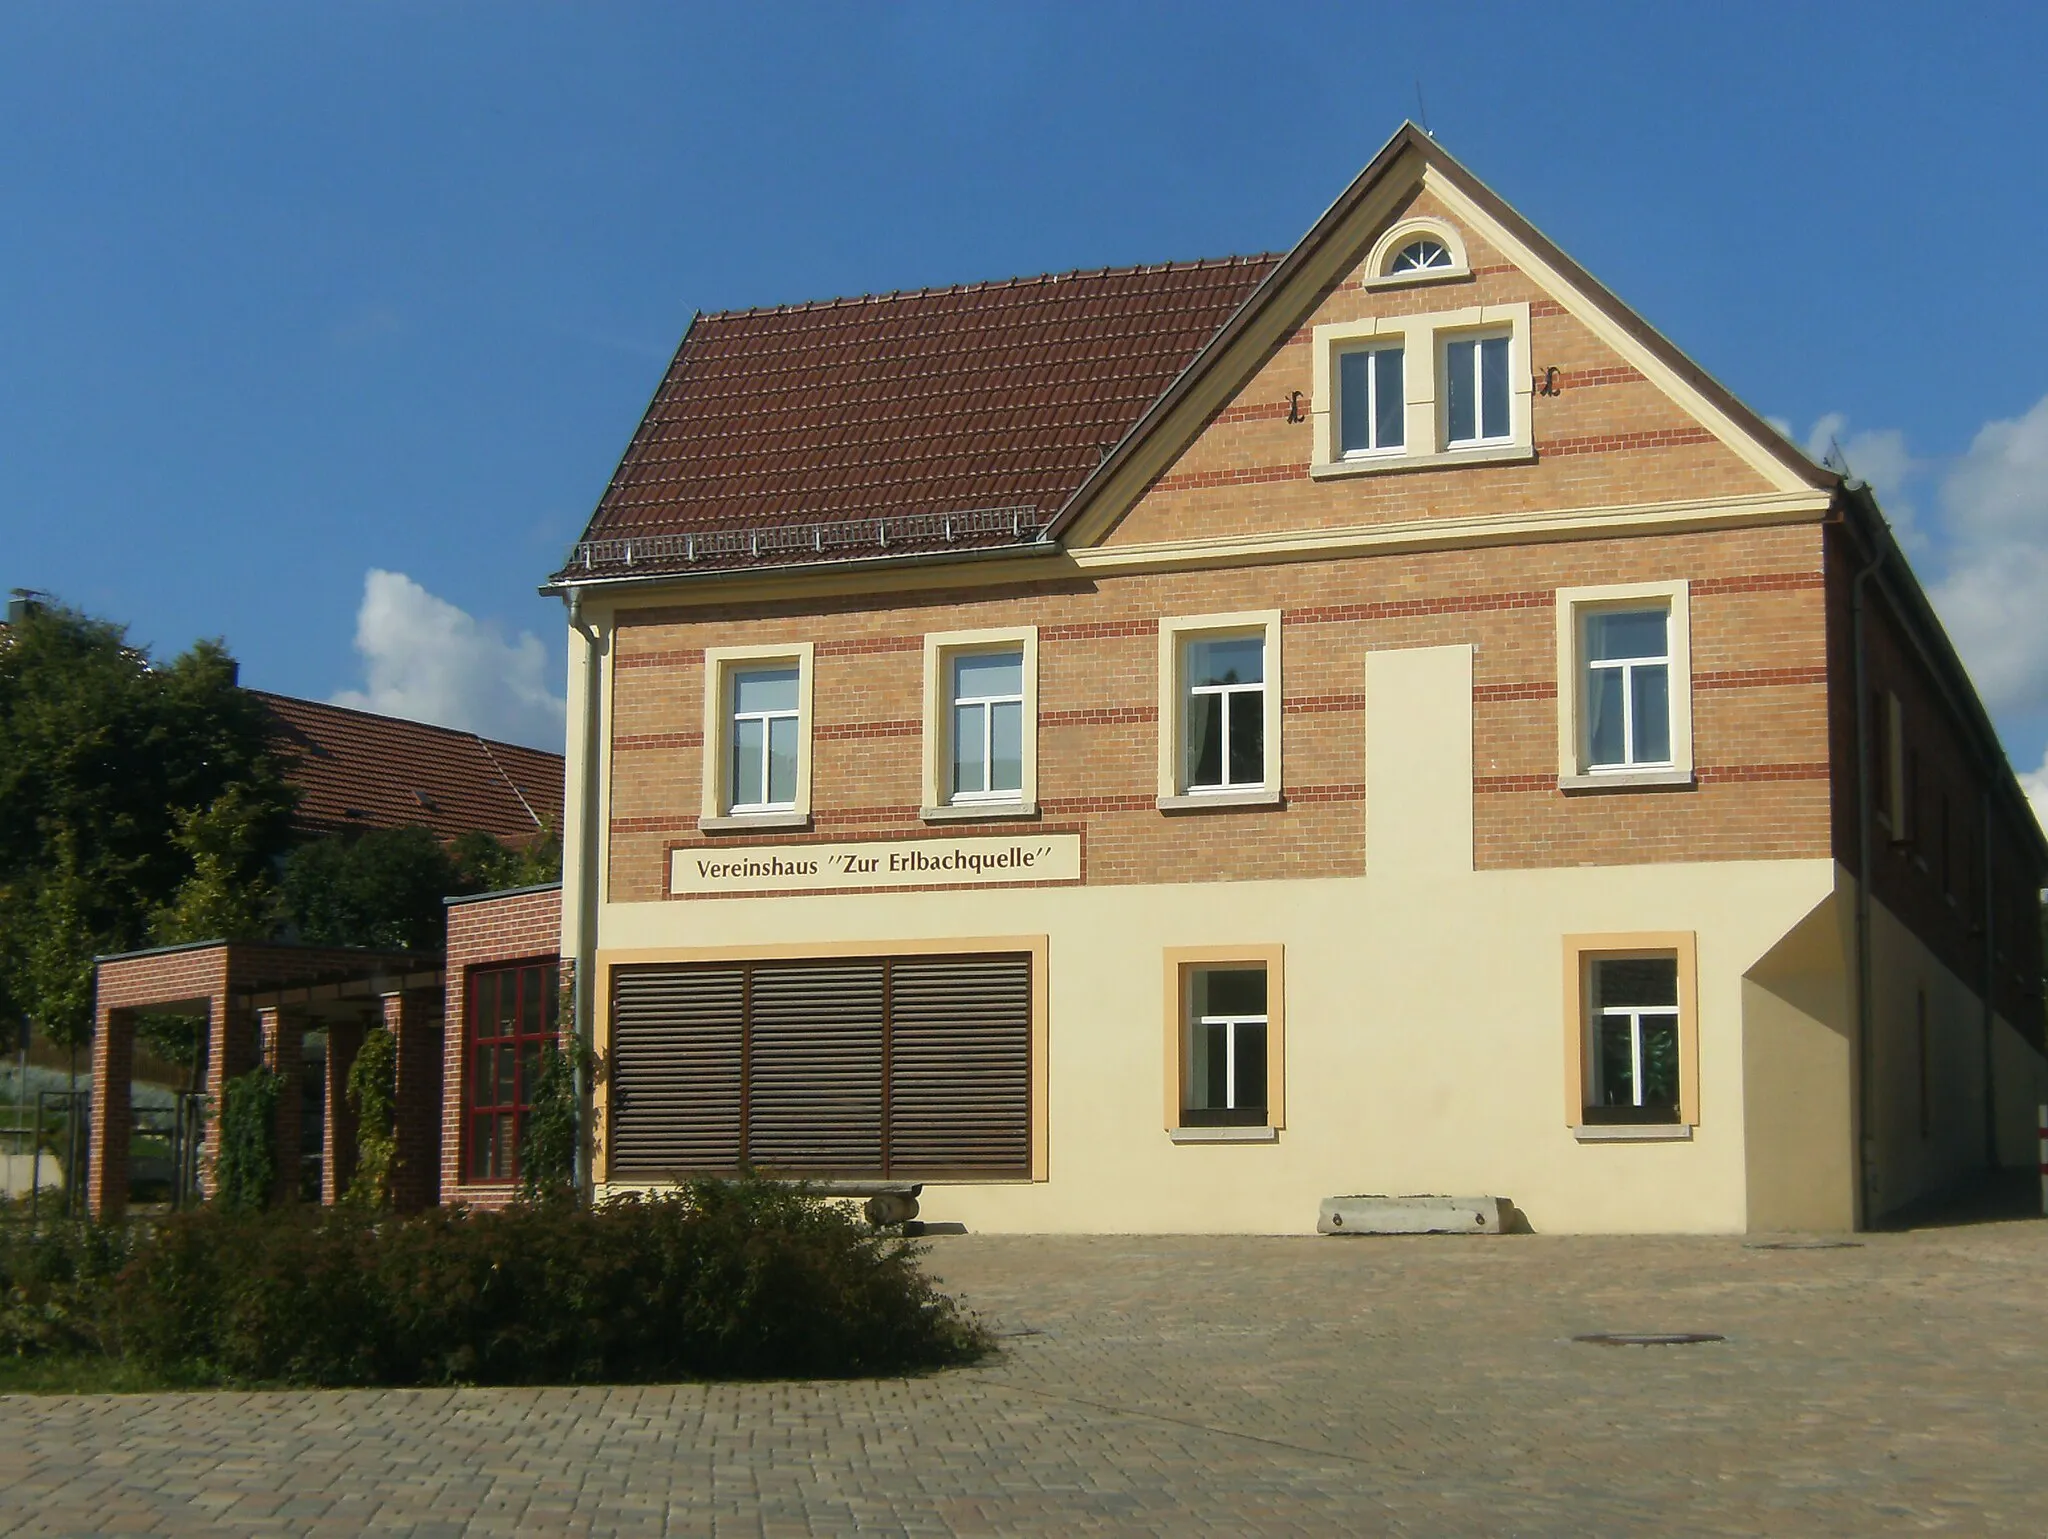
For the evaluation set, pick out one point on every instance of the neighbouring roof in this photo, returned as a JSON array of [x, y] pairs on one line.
[[354, 769], [937, 419]]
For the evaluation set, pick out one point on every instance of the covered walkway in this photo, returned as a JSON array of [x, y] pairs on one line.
[[300, 1010]]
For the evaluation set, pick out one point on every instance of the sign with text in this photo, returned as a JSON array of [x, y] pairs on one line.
[[970, 862]]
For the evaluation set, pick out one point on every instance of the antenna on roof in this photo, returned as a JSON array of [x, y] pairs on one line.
[[1836, 460], [1422, 108]]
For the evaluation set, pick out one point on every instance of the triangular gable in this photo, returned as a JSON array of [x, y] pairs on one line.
[[1411, 165]]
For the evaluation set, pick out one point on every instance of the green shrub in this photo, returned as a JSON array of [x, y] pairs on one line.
[[722, 1280], [246, 1166], [54, 1283]]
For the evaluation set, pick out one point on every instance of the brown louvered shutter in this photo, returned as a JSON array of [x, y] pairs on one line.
[[675, 1073], [814, 1068], [960, 1066]]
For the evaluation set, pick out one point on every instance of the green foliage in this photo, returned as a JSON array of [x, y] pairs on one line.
[[721, 1281], [229, 893], [246, 1167], [373, 1094], [54, 1285], [487, 864], [380, 888], [101, 754], [548, 1132]]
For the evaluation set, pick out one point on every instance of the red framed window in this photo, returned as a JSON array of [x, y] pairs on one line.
[[511, 1015]]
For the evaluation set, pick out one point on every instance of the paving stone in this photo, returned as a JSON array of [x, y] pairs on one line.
[[1205, 1386]]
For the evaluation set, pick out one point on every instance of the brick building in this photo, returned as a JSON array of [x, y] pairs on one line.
[[304, 1010], [1150, 749]]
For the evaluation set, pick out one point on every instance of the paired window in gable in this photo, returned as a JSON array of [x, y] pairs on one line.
[[1401, 392]]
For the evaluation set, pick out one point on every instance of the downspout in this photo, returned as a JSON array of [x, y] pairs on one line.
[[1866, 1081], [588, 855], [1990, 982]]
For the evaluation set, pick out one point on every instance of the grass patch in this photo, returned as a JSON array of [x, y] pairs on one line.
[[722, 1280]]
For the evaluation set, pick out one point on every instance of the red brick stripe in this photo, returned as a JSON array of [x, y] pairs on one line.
[[1105, 716], [1759, 678], [1309, 705], [1263, 411], [866, 646], [1713, 774], [1545, 307], [1538, 689], [1097, 630], [1609, 443], [1253, 475], [867, 729], [1762, 582], [1607, 374], [636, 740]]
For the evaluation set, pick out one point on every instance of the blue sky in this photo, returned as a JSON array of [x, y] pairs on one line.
[[295, 295]]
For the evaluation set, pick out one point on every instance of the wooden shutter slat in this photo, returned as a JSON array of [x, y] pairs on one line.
[[960, 1062], [814, 1098]]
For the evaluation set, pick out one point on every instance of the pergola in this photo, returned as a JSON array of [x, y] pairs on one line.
[[259, 999]]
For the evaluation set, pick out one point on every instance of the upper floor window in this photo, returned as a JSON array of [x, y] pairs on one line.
[[1421, 256], [764, 739], [1370, 402], [987, 726], [1478, 400], [1628, 688], [980, 724], [757, 714], [1416, 250], [1624, 686], [1219, 710], [1225, 713], [1400, 392]]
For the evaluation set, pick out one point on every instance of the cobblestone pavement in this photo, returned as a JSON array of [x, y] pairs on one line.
[[1199, 1386]]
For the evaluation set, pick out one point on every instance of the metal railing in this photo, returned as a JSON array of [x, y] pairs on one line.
[[876, 535]]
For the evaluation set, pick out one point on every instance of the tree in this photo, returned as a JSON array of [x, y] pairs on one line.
[[105, 756], [380, 888], [487, 864]]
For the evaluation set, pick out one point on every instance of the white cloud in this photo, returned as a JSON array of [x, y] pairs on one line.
[[2036, 787], [1993, 596], [427, 660]]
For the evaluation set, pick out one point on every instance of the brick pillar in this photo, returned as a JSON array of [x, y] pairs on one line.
[[338, 1125], [283, 1038], [411, 1018], [231, 1051], [110, 1115]]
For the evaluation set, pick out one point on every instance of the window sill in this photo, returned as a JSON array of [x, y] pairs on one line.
[[978, 812], [741, 822], [1626, 780], [1634, 1133], [1217, 801], [1266, 1135], [1489, 454]]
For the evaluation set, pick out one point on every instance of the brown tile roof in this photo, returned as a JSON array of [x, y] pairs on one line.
[[784, 435], [354, 769]]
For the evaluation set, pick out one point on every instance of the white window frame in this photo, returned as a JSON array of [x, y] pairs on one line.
[[1445, 340], [1373, 450], [940, 648], [1423, 339], [721, 664], [1574, 768], [1175, 794], [1580, 1047], [1181, 964]]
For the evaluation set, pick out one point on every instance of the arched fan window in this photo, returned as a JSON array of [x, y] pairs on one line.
[[1421, 256]]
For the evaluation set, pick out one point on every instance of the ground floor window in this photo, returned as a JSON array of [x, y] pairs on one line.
[[1223, 1037], [909, 1067], [1632, 1018], [511, 1015]]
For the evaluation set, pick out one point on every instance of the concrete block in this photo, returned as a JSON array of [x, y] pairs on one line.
[[1412, 1215]]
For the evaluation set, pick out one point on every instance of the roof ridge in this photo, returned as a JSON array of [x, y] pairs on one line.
[[1021, 280]]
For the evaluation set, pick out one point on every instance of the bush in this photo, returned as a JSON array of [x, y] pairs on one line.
[[723, 1280], [372, 1093], [54, 1283]]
